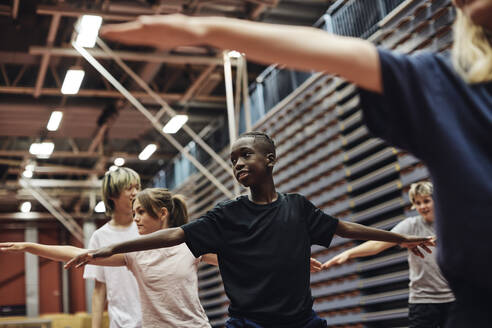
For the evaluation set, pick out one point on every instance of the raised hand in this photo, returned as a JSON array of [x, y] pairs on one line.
[[314, 265], [337, 260], [414, 243], [12, 247]]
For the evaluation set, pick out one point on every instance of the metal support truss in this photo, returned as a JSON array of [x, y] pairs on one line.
[[66, 219], [158, 126]]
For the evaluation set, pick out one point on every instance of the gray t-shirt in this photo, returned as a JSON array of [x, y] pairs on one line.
[[427, 284]]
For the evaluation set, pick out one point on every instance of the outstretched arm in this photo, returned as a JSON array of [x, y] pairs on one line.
[[159, 239], [303, 48], [366, 249], [56, 252], [359, 231]]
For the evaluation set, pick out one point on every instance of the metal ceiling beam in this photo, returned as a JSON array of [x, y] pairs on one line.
[[152, 57], [66, 219], [145, 112], [17, 57], [59, 169], [164, 105], [77, 12], [58, 183], [170, 97], [55, 22], [196, 84], [41, 216]]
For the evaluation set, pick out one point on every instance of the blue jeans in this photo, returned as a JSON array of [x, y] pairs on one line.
[[314, 322]]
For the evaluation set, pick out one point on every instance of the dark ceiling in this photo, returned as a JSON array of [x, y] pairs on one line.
[[99, 124]]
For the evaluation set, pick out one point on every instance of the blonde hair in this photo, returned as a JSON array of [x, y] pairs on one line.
[[114, 182], [153, 199], [421, 188], [472, 50]]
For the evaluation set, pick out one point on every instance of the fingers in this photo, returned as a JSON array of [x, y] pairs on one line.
[[417, 252], [329, 264], [315, 265], [78, 261], [427, 249]]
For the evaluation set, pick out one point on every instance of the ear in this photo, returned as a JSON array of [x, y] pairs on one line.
[[271, 159], [163, 214]]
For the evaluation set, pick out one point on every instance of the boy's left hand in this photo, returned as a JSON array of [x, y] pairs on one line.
[[413, 243], [314, 265]]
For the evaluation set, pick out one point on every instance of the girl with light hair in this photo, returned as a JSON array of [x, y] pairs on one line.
[[430, 300]]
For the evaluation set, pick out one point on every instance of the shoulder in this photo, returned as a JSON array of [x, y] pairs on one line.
[[296, 199], [104, 229], [293, 197], [230, 204], [407, 225], [424, 63]]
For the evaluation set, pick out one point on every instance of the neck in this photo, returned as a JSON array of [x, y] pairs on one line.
[[429, 221], [121, 219], [264, 194]]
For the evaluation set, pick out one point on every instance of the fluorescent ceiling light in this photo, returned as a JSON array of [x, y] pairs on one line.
[[27, 174], [30, 167], [42, 150], [54, 121], [175, 124], [147, 152], [25, 207], [88, 29], [119, 161], [100, 208], [234, 54], [72, 82]]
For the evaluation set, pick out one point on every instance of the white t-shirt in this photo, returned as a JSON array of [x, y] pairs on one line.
[[168, 282], [121, 287], [427, 284]]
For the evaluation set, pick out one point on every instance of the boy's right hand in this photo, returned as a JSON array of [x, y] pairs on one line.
[[87, 257], [337, 260], [12, 247]]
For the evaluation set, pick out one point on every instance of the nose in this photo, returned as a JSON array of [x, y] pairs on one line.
[[239, 164]]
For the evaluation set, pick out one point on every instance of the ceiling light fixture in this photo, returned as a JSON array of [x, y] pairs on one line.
[[234, 54], [147, 152], [88, 29], [42, 149], [100, 208], [72, 82], [175, 123], [25, 207], [55, 120], [119, 161]]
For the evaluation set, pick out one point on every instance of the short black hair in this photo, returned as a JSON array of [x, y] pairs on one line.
[[267, 143]]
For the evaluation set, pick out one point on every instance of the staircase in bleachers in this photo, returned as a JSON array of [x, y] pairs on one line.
[[326, 153]]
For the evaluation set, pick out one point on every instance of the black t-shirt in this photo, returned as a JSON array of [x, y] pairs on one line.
[[263, 253]]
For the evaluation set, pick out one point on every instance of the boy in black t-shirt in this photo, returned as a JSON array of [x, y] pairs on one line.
[[263, 242]]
